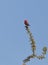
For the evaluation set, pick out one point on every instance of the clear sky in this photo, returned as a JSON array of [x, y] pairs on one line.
[[14, 41]]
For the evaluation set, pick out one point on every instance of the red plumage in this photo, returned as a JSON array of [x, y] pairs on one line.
[[26, 23]]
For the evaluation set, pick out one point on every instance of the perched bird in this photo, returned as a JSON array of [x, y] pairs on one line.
[[26, 23]]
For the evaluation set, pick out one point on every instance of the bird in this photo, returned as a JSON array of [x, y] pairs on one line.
[[26, 23]]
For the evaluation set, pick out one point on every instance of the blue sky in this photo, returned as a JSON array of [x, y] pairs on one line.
[[14, 41]]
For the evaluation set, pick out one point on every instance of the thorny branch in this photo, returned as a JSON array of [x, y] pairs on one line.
[[33, 46]]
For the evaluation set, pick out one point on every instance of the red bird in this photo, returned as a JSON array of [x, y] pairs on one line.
[[26, 23]]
